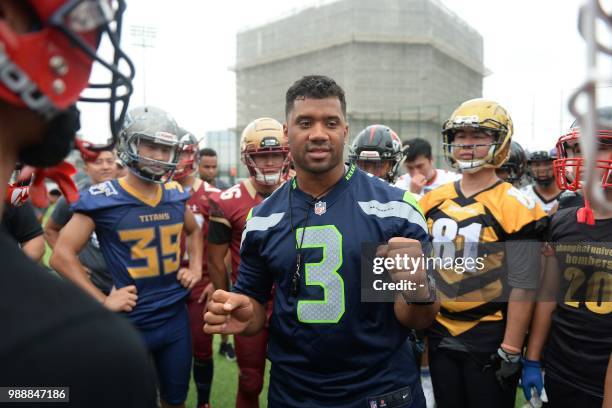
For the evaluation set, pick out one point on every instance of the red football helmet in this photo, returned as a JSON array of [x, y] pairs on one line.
[[569, 165], [47, 69], [189, 156]]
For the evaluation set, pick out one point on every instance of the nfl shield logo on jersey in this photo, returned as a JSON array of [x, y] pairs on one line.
[[319, 208]]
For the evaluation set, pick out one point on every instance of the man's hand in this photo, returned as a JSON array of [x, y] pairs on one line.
[[121, 300], [188, 277], [410, 252], [228, 313], [532, 378], [507, 368], [206, 294], [417, 183]]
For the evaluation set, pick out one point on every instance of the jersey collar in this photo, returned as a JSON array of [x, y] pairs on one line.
[[334, 193], [151, 202]]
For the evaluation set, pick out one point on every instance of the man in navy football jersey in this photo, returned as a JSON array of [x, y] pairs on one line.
[[139, 220], [327, 347]]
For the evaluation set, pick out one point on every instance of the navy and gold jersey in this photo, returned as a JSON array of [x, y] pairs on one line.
[[476, 314], [327, 347], [580, 338], [140, 241]]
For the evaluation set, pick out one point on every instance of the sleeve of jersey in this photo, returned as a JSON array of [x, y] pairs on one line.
[[254, 278], [526, 226], [27, 226], [414, 226], [219, 227], [176, 192], [87, 203], [524, 223]]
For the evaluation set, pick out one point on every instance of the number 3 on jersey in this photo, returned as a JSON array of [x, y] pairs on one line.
[[142, 249], [323, 274]]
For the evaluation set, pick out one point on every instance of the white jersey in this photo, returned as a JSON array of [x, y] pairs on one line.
[[530, 192], [442, 177]]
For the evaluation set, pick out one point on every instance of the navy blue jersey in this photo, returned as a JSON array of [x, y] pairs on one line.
[[140, 241], [327, 347]]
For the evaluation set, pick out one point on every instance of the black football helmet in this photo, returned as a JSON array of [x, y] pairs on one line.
[[514, 167], [545, 177], [375, 145]]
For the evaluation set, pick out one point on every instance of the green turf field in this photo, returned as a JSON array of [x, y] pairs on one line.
[[225, 383]]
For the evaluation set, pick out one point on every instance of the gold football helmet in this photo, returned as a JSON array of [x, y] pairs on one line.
[[264, 136], [483, 115]]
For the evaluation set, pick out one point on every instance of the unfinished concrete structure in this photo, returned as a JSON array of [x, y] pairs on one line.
[[404, 63]]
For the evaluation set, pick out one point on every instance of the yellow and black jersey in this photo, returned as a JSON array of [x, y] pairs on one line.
[[468, 228]]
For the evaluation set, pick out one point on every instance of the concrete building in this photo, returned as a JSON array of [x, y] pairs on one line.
[[404, 63]]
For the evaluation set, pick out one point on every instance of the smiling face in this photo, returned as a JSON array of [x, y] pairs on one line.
[[317, 132], [103, 168]]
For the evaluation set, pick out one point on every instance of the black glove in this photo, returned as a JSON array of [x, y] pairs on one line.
[[507, 368]]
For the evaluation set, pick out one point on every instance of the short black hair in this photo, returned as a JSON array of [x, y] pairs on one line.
[[417, 147], [55, 192], [316, 87], [207, 151]]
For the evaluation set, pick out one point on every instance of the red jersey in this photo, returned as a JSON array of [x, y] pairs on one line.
[[199, 205], [231, 208]]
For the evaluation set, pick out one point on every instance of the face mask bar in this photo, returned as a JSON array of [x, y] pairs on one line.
[[88, 15], [591, 13]]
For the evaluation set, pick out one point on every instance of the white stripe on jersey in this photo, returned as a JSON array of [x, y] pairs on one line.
[[393, 209], [261, 224], [530, 192]]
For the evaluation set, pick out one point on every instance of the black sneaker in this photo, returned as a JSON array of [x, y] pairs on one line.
[[227, 350]]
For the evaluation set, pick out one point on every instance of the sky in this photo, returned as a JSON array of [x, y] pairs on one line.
[[532, 49]]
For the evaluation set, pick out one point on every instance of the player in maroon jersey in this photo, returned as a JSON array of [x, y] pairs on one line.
[[196, 303], [265, 152]]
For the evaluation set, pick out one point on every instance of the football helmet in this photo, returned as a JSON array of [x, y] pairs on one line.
[[264, 136], [47, 68], [516, 163], [483, 115], [377, 144], [189, 156], [546, 177], [158, 131], [568, 167]]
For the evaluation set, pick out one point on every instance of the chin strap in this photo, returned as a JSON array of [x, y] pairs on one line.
[[585, 215]]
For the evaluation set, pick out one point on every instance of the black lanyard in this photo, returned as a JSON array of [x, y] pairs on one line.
[[295, 280]]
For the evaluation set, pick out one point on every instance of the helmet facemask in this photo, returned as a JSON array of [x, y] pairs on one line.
[[267, 175], [474, 164], [377, 150], [371, 162], [568, 169], [189, 158], [150, 168]]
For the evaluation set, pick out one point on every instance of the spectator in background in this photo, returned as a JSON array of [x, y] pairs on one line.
[[54, 196], [102, 169], [422, 176], [208, 169], [21, 224]]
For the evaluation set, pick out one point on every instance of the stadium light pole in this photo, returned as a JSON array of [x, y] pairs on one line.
[[144, 37]]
